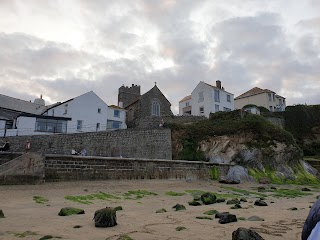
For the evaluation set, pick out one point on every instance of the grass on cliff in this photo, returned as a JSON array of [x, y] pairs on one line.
[[302, 177], [263, 132]]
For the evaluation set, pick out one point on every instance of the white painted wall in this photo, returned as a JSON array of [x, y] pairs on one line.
[[253, 110], [85, 107], [2, 124], [183, 104], [122, 117], [208, 102]]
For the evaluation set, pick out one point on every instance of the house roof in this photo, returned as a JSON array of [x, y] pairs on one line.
[[7, 114], [43, 116], [209, 85], [254, 91], [278, 96], [185, 98], [116, 107], [20, 105]]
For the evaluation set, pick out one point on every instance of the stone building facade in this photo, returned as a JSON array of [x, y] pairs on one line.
[[152, 104]]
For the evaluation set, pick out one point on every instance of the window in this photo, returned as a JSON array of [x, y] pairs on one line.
[[226, 109], [79, 124], [99, 110], [113, 124], [187, 104], [201, 110], [228, 98], [269, 95], [52, 112], [270, 108], [65, 109], [155, 109], [116, 113], [98, 126], [280, 101], [273, 96], [216, 108], [9, 124], [201, 97], [51, 125], [216, 96]]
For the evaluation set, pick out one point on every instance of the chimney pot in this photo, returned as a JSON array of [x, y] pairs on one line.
[[218, 84]]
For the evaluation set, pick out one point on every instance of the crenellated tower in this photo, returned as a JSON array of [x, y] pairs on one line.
[[127, 95]]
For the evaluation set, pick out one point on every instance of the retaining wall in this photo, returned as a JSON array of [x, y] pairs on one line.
[[130, 143], [65, 168]]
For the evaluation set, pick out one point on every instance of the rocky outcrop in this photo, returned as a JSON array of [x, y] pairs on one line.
[[243, 151]]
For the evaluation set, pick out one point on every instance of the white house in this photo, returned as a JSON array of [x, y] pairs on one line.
[[88, 113], [85, 113], [206, 99]]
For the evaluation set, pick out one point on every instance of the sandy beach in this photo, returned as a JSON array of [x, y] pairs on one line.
[[139, 219]]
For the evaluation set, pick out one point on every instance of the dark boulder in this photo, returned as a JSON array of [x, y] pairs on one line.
[[228, 218], [1, 214], [255, 218], [179, 207], [245, 234], [194, 203], [219, 215], [260, 203], [220, 200], [70, 211], [233, 201], [208, 198], [305, 189], [105, 217]]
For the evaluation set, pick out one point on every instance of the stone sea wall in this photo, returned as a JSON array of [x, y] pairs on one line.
[[129, 143], [67, 168]]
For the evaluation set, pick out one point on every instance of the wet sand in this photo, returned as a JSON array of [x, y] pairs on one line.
[[138, 218]]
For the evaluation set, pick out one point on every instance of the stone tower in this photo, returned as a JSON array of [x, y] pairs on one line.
[[127, 95]]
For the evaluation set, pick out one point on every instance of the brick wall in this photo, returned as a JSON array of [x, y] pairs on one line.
[[64, 168], [130, 143]]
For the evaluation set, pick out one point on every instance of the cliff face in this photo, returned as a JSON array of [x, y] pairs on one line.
[[236, 149], [249, 141]]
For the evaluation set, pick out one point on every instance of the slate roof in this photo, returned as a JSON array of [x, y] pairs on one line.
[[254, 91], [20, 105], [185, 98]]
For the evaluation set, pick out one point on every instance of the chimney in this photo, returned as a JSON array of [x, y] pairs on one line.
[[120, 104], [218, 84]]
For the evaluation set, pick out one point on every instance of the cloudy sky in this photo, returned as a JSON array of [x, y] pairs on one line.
[[62, 49]]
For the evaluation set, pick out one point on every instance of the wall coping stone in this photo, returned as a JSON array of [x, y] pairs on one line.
[[55, 156]]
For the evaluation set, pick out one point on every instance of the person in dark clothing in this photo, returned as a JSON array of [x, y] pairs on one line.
[[5, 147], [311, 228]]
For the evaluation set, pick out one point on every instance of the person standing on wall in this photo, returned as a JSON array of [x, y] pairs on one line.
[[28, 146]]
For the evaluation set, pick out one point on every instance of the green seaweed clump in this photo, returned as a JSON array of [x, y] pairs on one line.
[[67, 211], [211, 212], [125, 237], [180, 228], [40, 200], [138, 194], [25, 234], [87, 199], [289, 193]]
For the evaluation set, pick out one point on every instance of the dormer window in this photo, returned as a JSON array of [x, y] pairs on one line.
[[99, 110]]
